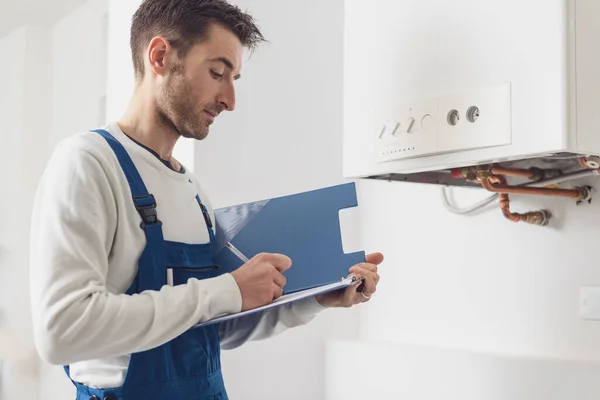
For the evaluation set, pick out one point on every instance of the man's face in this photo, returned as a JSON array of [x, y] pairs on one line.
[[198, 88]]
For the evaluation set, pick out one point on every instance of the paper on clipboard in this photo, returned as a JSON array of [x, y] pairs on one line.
[[285, 299]]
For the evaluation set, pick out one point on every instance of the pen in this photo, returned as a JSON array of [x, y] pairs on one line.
[[235, 251]]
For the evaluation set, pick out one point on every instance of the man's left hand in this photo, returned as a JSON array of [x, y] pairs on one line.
[[349, 296]]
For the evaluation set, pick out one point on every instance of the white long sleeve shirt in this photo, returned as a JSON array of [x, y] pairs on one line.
[[85, 244]]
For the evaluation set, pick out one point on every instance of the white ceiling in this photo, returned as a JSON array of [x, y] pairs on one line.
[[14, 13]]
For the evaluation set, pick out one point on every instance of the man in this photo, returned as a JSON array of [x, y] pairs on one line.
[[122, 232]]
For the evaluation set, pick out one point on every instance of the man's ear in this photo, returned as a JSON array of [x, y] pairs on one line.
[[157, 55]]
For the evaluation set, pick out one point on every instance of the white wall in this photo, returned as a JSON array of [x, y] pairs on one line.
[[481, 282], [11, 109], [407, 371], [120, 81], [284, 137], [79, 70], [458, 288], [24, 104]]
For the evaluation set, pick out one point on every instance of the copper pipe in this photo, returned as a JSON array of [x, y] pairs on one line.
[[534, 217], [505, 207], [523, 173], [502, 187], [496, 179]]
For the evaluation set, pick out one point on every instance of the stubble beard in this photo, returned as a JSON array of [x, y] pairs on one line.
[[175, 107]]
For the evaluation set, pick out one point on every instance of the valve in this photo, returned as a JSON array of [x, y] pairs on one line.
[[592, 162], [585, 194]]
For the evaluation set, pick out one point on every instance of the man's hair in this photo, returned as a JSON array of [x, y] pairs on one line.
[[185, 23]]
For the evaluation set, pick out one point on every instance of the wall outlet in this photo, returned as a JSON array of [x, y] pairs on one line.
[[589, 303]]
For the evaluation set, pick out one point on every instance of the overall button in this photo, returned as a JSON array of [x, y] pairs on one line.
[[94, 398], [110, 397]]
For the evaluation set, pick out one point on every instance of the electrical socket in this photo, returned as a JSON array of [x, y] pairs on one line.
[[589, 303]]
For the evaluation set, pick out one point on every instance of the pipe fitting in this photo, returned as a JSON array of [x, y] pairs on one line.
[[467, 173], [541, 217], [591, 162], [585, 194], [484, 171]]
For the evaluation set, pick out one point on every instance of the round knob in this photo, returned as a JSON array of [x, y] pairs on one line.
[[427, 123], [453, 117]]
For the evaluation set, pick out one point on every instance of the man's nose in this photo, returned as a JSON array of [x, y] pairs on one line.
[[227, 98]]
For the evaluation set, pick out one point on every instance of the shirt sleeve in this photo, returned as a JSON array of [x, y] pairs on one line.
[[266, 324], [75, 316]]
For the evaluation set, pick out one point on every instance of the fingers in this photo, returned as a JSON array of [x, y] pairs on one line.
[[361, 297], [364, 266], [352, 297], [279, 279], [279, 261], [370, 278], [375, 258], [370, 286], [277, 291], [347, 298], [367, 271]]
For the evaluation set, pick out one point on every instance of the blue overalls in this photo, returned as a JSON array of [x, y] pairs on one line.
[[189, 366]]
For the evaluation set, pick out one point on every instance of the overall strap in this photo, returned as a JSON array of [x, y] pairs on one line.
[[149, 277], [209, 224], [138, 189]]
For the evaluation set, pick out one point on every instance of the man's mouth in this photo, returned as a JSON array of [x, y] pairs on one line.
[[211, 115]]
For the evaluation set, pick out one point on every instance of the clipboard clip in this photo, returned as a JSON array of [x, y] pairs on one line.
[[355, 279]]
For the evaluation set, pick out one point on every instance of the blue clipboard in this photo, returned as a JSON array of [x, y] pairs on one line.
[[286, 299], [303, 226]]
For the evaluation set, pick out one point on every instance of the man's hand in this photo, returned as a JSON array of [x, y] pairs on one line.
[[349, 296], [261, 279]]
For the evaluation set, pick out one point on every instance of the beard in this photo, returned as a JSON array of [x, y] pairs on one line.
[[175, 106]]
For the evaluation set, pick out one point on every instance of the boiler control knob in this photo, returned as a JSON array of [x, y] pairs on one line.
[[427, 123], [411, 124]]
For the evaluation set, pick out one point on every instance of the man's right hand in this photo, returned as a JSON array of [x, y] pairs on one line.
[[261, 279]]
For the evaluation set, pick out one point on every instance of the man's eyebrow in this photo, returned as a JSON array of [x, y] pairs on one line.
[[227, 63]]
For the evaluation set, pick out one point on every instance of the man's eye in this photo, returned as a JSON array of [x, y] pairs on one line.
[[215, 74]]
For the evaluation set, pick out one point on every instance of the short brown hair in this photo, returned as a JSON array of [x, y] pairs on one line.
[[185, 23]]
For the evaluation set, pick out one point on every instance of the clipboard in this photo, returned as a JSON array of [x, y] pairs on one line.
[[303, 226], [286, 299]]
